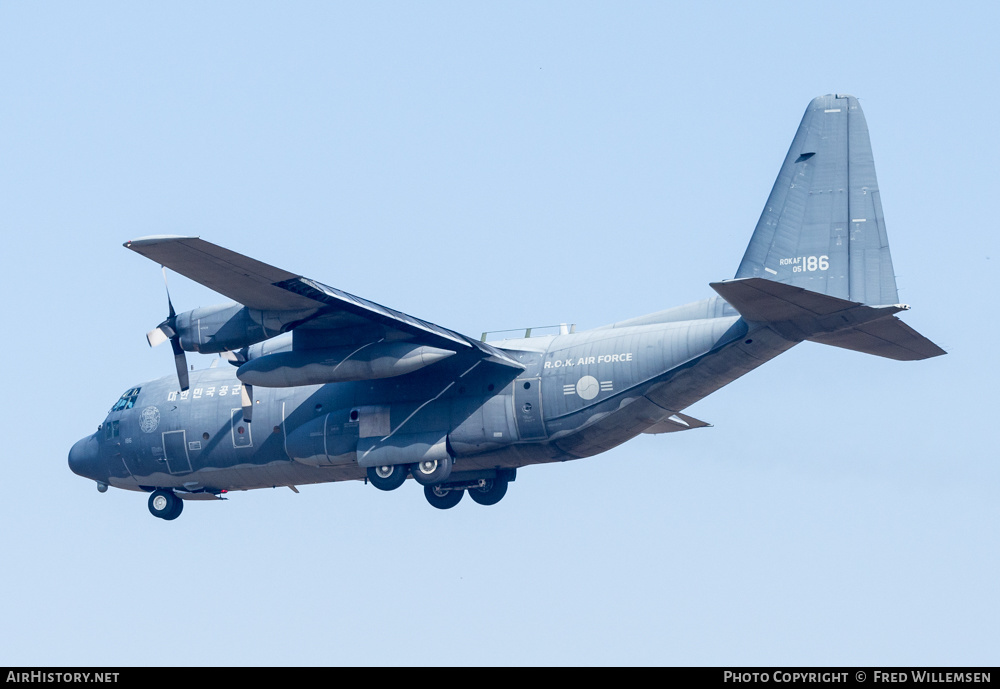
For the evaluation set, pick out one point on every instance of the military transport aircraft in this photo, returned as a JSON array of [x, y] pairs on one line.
[[331, 387]]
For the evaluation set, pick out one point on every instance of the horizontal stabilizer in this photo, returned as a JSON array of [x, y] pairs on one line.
[[767, 301], [891, 338], [799, 314], [677, 422]]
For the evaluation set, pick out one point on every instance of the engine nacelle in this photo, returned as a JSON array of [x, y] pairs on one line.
[[338, 365], [227, 327]]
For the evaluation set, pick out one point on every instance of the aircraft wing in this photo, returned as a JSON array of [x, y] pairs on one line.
[[337, 316], [234, 275]]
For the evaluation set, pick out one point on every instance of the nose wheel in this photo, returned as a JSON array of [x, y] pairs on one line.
[[165, 504]]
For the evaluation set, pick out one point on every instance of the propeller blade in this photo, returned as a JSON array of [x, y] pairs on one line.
[[156, 336], [246, 393], [170, 304], [167, 331], [180, 361]]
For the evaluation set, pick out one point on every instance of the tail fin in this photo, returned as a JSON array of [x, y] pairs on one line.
[[818, 265], [822, 227]]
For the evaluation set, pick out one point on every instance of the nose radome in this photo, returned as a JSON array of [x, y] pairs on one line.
[[83, 458]]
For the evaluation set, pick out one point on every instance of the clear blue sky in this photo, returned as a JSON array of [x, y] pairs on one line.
[[484, 168]]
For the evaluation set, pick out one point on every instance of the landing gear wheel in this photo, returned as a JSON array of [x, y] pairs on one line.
[[443, 498], [165, 505], [178, 508], [432, 471], [491, 493], [387, 477]]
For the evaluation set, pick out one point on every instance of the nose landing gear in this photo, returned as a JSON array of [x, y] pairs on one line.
[[165, 504]]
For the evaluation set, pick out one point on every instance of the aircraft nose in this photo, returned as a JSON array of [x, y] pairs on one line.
[[83, 458]]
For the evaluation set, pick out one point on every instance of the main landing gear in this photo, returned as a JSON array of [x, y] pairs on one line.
[[482, 490], [484, 487], [432, 472], [427, 473], [388, 477], [489, 491], [443, 498], [165, 504]]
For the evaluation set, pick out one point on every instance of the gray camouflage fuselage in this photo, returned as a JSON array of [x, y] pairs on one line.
[[579, 394]]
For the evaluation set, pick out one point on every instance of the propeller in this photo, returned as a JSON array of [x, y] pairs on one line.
[[167, 330]]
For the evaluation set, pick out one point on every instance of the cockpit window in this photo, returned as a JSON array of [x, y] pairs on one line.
[[126, 401]]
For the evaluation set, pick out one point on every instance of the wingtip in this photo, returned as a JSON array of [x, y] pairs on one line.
[[155, 239]]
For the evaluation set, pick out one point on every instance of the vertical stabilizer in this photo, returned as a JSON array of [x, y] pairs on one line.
[[822, 227]]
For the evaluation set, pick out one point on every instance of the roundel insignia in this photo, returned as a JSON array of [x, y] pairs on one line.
[[149, 419], [588, 387]]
